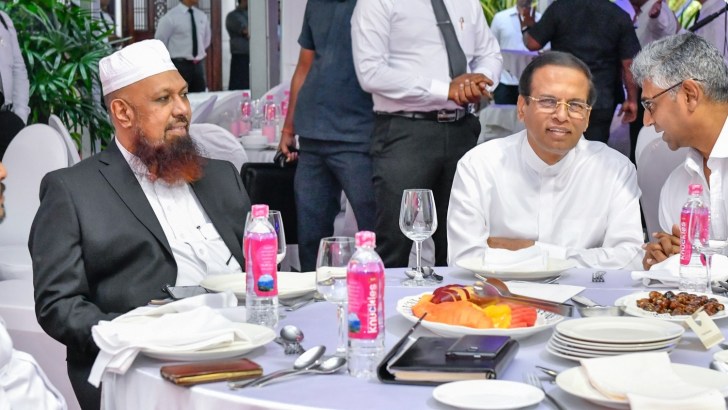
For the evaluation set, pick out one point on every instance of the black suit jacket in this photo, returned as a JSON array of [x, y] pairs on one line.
[[99, 251]]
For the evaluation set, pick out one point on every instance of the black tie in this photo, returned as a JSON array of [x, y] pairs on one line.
[[455, 55], [194, 34]]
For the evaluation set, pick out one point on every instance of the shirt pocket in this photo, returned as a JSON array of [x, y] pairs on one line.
[[466, 36]]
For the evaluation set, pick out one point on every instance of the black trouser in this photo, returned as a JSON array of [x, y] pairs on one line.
[[599, 123], [239, 72], [89, 397], [193, 73], [412, 153], [635, 127], [10, 126]]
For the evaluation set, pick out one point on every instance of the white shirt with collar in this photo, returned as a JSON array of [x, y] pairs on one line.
[[585, 208], [175, 31], [507, 30], [12, 69], [196, 245], [716, 31], [674, 192], [400, 56], [651, 29]]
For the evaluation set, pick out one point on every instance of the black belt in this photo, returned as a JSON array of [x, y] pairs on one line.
[[439, 116], [6, 107]]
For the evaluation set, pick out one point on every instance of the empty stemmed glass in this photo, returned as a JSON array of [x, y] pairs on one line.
[[716, 242], [276, 220], [333, 257], [418, 221]]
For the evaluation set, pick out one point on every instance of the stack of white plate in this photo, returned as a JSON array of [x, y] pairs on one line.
[[610, 336]]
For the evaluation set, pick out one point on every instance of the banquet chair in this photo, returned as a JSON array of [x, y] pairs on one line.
[[35, 151], [201, 112], [55, 122], [225, 110], [646, 135], [654, 164], [218, 143]]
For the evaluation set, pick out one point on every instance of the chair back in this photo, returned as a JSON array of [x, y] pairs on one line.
[[646, 135], [218, 143], [267, 183], [55, 122], [226, 110], [654, 164], [203, 111]]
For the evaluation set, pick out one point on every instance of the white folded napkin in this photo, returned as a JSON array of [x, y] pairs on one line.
[[648, 381], [528, 259], [186, 325], [545, 291], [667, 273]]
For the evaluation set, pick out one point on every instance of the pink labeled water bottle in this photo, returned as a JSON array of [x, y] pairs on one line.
[[365, 287], [261, 281], [245, 121], [694, 228], [270, 119]]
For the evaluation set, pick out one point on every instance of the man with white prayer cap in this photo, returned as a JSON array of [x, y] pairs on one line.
[[147, 211]]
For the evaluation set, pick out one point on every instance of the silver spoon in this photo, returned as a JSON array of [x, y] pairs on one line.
[[550, 372], [328, 366], [495, 288], [290, 338], [306, 360]]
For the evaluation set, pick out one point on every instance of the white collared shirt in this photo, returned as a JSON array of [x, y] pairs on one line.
[[12, 69], [175, 31], [507, 30], [651, 29], [585, 208], [400, 56], [674, 192], [196, 245]]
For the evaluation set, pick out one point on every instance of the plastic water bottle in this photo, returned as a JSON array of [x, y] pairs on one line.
[[284, 103], [365, 287], [694, 228], [270, 119], [261, 284], [245, 122]]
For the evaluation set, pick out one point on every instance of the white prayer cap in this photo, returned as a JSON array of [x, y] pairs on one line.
[[133, 63]]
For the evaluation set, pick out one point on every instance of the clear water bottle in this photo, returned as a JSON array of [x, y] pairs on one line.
[[245, 121], [365, 287], [261, 283], [694, 229], [270, 119]]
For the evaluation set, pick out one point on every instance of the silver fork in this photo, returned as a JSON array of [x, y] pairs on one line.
[[533, 380]]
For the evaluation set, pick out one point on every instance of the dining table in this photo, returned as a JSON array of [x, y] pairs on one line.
[[142, 387]]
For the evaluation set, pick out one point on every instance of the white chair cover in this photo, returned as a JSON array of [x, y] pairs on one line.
[[654, 164], [646, 135], [498, 121], [57, 124], [225, 110], [218, 143], [35, 151], [200, 113]]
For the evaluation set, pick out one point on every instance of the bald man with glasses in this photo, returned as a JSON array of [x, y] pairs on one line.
[[685, 94], [547, 186]]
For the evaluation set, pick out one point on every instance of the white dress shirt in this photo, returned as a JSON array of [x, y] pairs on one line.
[[507, 30], [196, 245], [716, 31], [175, 31], [400, 55], [651, 29], [12, 69], [674, 193], [585, 208]]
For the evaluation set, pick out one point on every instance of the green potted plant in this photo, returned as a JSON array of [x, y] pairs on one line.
[[62, 45]]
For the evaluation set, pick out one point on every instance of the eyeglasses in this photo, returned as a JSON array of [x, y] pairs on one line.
[[576, 109], [649, 103]]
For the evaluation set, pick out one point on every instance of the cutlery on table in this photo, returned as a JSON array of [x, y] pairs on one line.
[[551, 372], [533, 380], [307, 359], [495, 288], [331, 365]]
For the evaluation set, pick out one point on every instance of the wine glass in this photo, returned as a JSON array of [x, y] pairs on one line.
[[333, 257], [715, 242], [418, 221], [276, 221]]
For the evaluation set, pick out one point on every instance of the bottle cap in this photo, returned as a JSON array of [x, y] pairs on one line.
[[695, 189], [259, 211], [365, 238], [269, 97], [246, 94]]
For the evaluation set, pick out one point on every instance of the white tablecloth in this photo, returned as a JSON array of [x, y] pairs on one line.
[[143, 388]]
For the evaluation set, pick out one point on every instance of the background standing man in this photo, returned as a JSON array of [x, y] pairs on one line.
[[600, 34], [236, 24], [186, 33], [422, 77], [14, 85], [333, 117]]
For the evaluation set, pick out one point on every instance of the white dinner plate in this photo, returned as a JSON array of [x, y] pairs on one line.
[[487, 394], [554, 268], [576, 353], [290, 284], [544, 320], [610, 347], [619, 330], [574, 381], [258, 335], [630, 303]]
